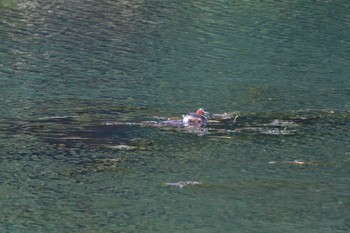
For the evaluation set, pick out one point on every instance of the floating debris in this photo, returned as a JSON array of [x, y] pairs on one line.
[[182, 184], [123, 147], [298, 162], [294, 162], [283, 123], [225, 116], [284, 131]]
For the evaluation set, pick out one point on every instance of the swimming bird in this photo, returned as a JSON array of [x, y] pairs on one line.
[[196, 119]]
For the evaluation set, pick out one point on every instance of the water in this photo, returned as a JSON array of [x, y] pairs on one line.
[[79, 78]]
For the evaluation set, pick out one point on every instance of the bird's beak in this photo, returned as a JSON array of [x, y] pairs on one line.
[[206, 113]]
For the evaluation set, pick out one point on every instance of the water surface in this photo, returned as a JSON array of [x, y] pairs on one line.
[[79, 79]]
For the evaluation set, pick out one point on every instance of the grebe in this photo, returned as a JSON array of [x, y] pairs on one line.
[[196, 119]]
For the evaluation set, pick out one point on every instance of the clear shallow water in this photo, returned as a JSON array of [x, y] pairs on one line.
[[69, 69]]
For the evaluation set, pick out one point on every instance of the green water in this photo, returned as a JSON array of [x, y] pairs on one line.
[[78, 80]]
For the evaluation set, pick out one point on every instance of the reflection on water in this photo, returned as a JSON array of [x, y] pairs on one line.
[[86, 87]]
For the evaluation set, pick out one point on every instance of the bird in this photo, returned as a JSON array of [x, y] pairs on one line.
[[196, 119]]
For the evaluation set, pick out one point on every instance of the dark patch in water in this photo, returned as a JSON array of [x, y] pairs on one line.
[[130, 133]]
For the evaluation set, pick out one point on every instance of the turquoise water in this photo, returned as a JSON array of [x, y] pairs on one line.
[[78, 80]]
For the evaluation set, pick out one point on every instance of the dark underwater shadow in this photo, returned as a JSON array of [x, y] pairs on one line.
[[95, 127], [92, 137]]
